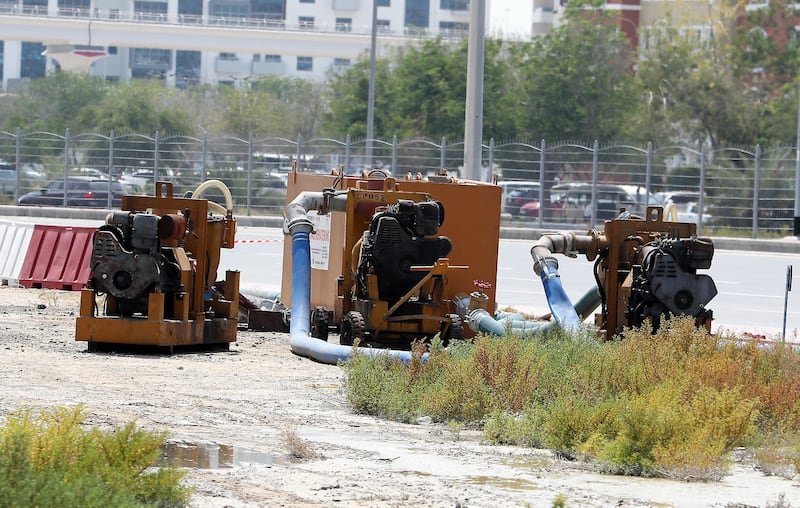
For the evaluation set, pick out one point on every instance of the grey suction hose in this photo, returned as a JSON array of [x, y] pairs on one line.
[[482, 322], [299, 227]]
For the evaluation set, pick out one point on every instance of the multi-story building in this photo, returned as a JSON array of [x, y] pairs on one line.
[[231, 41], [211, 41]]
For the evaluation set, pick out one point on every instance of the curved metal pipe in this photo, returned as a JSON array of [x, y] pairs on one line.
[[300, 340], [546, 266]]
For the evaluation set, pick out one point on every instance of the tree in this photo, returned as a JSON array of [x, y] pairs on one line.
[[55, 103], [693, 90], [576, 82], [347, 95]]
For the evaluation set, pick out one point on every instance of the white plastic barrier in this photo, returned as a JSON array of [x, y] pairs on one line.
[[14, 240]]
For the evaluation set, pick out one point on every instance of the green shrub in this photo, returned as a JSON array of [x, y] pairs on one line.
[[49, 459], [671, 403]]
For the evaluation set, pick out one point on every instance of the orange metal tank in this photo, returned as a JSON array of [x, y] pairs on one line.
[[472, 223]]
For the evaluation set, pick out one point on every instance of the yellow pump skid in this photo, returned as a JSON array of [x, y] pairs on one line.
[[191, 308], [472, 223], [619, 242]]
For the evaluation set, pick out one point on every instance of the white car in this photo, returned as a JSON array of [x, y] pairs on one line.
[[688, 212]]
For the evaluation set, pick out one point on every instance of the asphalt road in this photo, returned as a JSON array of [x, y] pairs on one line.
[[750, 284]]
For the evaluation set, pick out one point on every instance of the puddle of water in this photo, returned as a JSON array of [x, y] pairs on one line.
[[529, 462], [505, 483], [212, 456]]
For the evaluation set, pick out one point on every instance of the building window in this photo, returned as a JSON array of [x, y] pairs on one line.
[[382, 25], [306, 1], [1, 60], [271, 9], [229, 9], [33, 62], [305, 63], [187, 68], [272, 58], [384, 3], [453, 27], [454, 5], [256, 58], [73, 5], [190, 7], [230, 57], [150, 7], [344, 24], [418, 13], [150, 58], [306, 22], [341, 62]]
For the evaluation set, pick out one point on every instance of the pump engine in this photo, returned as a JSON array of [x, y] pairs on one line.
[[128, 260], [665, 280], [399, 237]]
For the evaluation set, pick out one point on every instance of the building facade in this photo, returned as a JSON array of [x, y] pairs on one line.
[[311, 28]]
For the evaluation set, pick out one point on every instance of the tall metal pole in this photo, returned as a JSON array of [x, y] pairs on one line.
[[473, 118], [797, 171], [371, 92]]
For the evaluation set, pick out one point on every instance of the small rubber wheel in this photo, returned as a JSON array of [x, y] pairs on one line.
[[319, 323], [452, 329], [353, 328]]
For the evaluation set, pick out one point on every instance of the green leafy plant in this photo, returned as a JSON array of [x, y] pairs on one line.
[[48, 458]]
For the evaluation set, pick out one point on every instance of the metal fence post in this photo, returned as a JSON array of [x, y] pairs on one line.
[[66, 164], [18, 155], [110, 167], [595, 172], [394, 155], [157, 141], [648, 175], [542, 207], [756, 191], [249, 172], [490, 173], [443, 153], [701, 198], [347, 154], [299, 150], [205, 158]]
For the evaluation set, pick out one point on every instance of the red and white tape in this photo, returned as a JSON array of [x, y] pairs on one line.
[[258, 241]]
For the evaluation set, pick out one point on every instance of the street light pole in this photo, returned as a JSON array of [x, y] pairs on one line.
[[371, 92], [473, 118]]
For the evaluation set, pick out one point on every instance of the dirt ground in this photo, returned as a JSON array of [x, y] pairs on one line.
[[228, 413]]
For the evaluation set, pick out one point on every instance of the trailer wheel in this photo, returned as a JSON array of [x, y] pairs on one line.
[[352, 328], [319, 323], [452, 330]]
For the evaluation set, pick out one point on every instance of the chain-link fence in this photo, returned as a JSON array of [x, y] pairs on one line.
[[735, 191]]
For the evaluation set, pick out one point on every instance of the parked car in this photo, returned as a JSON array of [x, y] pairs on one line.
[[81, 191], [8, 176], [516, 194], [575, 201]]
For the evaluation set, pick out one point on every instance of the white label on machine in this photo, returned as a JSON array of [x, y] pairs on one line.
[[320, 240]]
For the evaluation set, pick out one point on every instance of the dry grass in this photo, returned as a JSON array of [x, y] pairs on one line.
[[297, 448]]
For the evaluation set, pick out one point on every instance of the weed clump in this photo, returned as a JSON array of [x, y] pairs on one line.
[[50, 459], [672, 403]]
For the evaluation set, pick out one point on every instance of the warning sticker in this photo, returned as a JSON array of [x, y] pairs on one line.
[[320, 240]]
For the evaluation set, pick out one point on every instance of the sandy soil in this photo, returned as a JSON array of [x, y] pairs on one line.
[[227, 413]]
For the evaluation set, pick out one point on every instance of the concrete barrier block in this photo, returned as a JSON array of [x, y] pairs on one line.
[[14, 241]]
